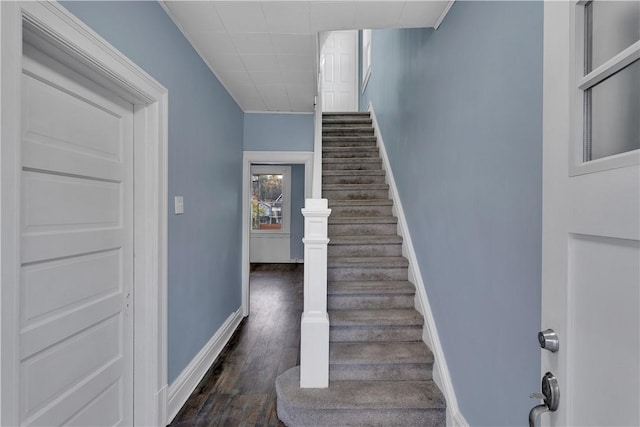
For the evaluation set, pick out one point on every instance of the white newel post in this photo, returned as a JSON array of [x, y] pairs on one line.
[[314, 329]]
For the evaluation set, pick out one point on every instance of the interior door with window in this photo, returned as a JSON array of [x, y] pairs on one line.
[[591, 210], [270, 208]]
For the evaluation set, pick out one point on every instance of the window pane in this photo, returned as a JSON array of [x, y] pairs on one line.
[[266, 202], [611, 27], [613, 114]]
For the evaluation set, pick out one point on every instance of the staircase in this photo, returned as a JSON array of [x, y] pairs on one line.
[[380, 370]]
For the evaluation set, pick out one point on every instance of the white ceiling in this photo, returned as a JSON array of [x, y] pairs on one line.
[[263, 51]]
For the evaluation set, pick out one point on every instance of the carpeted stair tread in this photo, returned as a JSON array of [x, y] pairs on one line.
[[353, 173], [375, 261], [326, 187], [370, 287], [344, 123], [361, 202], [379, 317], [363, 220], [348, 149], [350, 160], [357, 130], [349, 152], [372, 176], [361, 240], [344, 118], [378, 353], [349, 140]]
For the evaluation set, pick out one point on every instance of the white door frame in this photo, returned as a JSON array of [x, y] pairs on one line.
[[68, 37], [273, 158]]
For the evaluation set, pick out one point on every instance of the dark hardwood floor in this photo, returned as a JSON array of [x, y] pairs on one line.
[[239, 389]]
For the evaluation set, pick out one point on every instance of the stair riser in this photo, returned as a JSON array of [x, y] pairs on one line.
[[350, 154], [375, 333], [355, 194], [365, 250], [377, 165], [369, 302], [395, 372], [353, 179], [348, 141], [345, 131], [367, 273], [360, 229], [361, 210]]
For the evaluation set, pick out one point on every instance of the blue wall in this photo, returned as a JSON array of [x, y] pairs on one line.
[[284, 132], [205, 166], [278, 132], [460, 111]]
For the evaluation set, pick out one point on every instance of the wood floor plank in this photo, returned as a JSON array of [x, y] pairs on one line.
[[239, 389]]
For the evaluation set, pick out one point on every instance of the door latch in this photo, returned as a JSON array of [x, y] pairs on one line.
[[550, 395], [549, 340]]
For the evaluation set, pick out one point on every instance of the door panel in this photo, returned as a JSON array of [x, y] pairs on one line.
[[76, 323], [339, 85], [604, 326]]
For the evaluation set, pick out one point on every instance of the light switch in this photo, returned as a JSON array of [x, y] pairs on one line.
[[179, 205]]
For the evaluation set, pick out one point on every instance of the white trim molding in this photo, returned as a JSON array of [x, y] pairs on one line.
[[187, 381], [430, 332], [64, 36], [266, 158], [446, 10]]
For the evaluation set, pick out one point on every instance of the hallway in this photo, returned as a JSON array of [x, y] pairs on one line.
[[239, 388]]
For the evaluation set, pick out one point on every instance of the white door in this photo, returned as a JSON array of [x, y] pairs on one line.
[[270, 207], [76, 277], [591, 210], [340, 72]]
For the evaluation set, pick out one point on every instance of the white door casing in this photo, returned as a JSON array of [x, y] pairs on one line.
[[340, 72], [53, 29], [76, 310], [591, 255], [264, 158]]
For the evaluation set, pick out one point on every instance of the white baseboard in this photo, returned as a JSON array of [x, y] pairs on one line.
[[430, 332], [187, 381]]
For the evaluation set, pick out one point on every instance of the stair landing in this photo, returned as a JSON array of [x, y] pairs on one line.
[[358, 403]]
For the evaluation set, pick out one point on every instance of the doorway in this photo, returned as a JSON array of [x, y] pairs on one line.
[[271, 214], [339, 59], [256, 163]]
